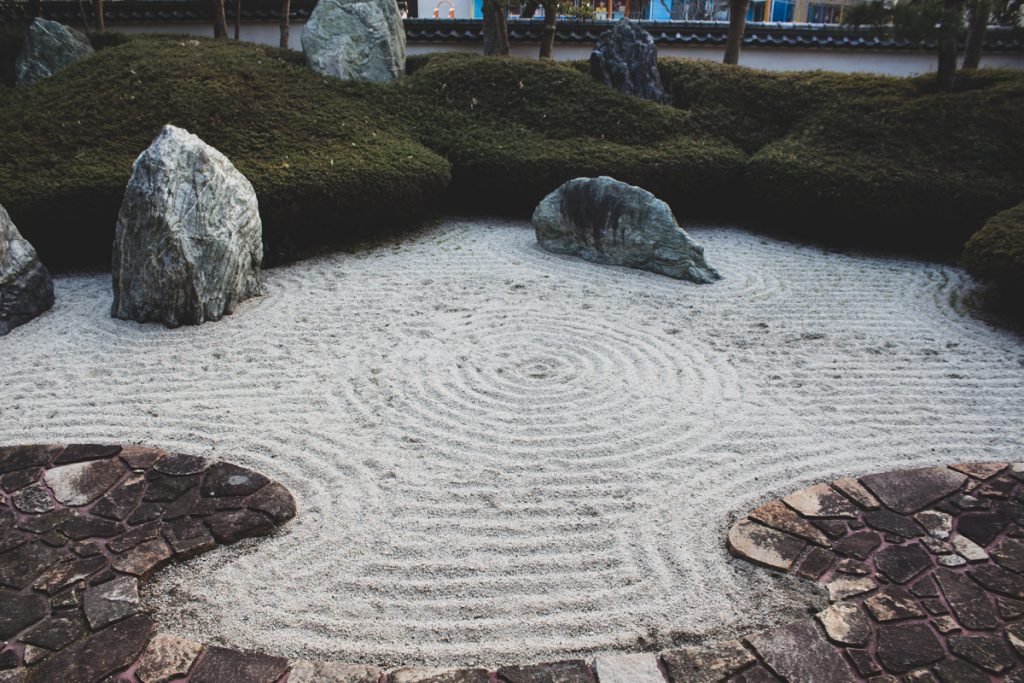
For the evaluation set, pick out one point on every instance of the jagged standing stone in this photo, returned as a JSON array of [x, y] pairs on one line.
[[356, 40], [188, 245], [26, 289], [49, 47], [607, 221], [625, 58]]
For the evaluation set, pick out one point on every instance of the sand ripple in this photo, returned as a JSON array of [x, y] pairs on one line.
[[501, 454]]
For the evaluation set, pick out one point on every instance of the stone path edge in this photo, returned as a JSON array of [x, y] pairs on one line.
[[924, 569]]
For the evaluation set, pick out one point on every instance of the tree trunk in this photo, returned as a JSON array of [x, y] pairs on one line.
[[35, 8], [495, 28], [951, 12], [529, 9], [737, 24], [976, 27], [238, 19], [220, 21], [101, 27], [286, 11], [547, 40]]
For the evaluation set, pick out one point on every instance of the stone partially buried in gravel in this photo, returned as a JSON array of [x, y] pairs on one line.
[[638, 668], [48, 48], [111, 601], [907, 491], [26, 289], [846, 624], [81, 483], [716, 662], [220, 664], [188, 244], [418, 675], [94, 658], [798, 652], [765, 546], [574, 671], [625, 58], [167, 657], [304, 671], [607, 221], [356, 40]]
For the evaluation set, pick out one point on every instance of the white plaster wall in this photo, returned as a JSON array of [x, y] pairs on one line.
[[894, 63]]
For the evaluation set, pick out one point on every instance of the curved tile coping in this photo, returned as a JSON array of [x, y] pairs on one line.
[[923, 568]]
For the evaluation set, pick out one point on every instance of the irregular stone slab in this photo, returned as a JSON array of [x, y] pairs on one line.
[[180, 464], [938, 524], [815, 563], [853, 490], [111, 601], [220, 664], [892, 604], [83, 482], [641, 668], [907, 491], [19, 457], [122, 500], [225, 479], [846, 624], [64, 574], [842, 587], [574, 671], [968, 549], [19, 611], [883, 520], [778, 516], [902, 563], [53, 634], [607, 221], [168, 657], [230, 526], [274, 500], [1009, 608], [999, 580], [820, 500], [188, 243], [140, 458], [958, 671], [970, 603], [421, 675], [706, 664], [356, 40], [902, 647], [26, 289], [77, 452], [980, 470], [625, 58], [981, 527], [987, 652], [33, 499], [764, 546], [799, 653], [755, 674], [99, 655], [144, 558], [859, 545], [1009, 554], [303, 671], [18, 567], [48, 48]]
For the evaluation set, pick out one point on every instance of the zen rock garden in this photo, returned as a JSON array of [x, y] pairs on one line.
[[923, 568]]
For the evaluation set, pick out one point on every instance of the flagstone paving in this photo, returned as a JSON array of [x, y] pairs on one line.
[[925, 570]]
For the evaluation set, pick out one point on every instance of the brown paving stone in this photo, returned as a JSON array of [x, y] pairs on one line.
[[859, 545], [968, 549], [572, 671], [143, 559], [902, 563], [18, 611], [20, 566], [970, 603], [1009, 608], [1000, 487], [938, 524], [907, 646], [980, 470], [85, 526], [180, 464], [945, 624], [855, 567], [111, 601], [120, 501], [1009, 554], [275, 500], [958, 671], [820, 500], [636, 668], [165, 488], [862, 662], [842, 587], [34, 499], [815, 563], [901, 525], [230, 526], [97, 656], [985, 651], [998, 580], [925, 587], [755, 674], [81, 483], [853, 490], [19, 479], [135, 536], [907, 491], [226, 479], [303, 671], [833, 528], [218, 665], [41, 523], [78, 452], [62, 575], [19, 457], [140, 458], [798, 652], [892, 604], [188, 537], [764, 546], [53, 634], [706, 664], [167, 657], [981, 527], [419, 675], [778, 516], [845, 624]]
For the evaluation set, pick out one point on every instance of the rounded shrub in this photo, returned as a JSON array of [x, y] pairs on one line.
[[996, 252]]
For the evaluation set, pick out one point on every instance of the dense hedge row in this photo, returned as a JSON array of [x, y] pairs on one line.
[[996, 252], [852, 158]]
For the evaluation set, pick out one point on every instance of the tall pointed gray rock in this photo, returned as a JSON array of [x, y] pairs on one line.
[[188, 244], [608, 221], [356, 40], [49, 47], [626, 58], [26, 289]]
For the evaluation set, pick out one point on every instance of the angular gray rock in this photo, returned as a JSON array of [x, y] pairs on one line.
[[626, 58], [26, 289], [49, 47], [356, 40], [607, 221], [188, 244]]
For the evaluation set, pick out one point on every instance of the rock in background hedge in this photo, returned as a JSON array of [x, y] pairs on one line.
[[626, 58], [356, 40], [49, 47], [608, 221], [188, 244], [26, 289]]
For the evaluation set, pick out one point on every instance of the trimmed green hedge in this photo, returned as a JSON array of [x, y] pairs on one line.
[[996, 252]]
